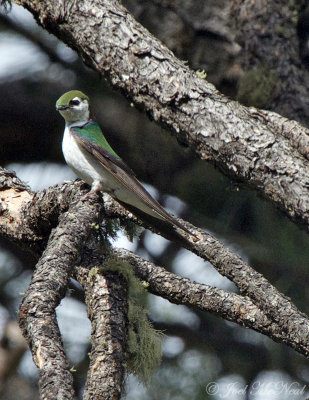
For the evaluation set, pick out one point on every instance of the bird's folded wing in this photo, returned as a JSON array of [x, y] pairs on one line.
[[120, 171]]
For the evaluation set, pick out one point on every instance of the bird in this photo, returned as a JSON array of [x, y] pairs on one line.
[[89, 155]]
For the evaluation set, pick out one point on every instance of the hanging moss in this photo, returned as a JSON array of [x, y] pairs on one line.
[[144, 342], [136, 287], [256, 87]]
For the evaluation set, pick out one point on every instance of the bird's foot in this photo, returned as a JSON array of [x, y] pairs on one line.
[[90, 194], [95, 189]]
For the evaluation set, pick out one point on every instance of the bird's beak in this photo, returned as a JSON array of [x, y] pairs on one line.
[[59, 108]]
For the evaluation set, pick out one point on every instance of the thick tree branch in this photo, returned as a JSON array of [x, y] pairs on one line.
[[107, 309], [241, 141], [37, 317], [273, 305], [106, 300], [14, 194]]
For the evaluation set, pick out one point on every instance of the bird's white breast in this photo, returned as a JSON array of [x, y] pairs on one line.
[[84, 164]]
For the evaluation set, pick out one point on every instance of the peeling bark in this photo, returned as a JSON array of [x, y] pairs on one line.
[[60, 219]]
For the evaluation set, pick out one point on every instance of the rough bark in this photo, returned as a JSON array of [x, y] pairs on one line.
[[282, 320], [230, 306], [250, 283], [235, 41], [65, 224], [258, 147], [106, 299], [246, 144], [37, 316]]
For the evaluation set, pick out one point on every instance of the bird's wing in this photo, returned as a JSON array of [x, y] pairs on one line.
[[119, 170]]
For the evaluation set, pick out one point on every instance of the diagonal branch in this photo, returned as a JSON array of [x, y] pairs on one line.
[[230, 306], [274, 304], [277, 307], [251, 146]]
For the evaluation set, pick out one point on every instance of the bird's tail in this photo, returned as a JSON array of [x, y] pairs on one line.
[[166, 227]]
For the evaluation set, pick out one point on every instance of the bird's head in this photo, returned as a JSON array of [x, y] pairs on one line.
[[73, 106]]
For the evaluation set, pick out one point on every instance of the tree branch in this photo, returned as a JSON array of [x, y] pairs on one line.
[[230, 306], [242, 141], [107, 309], [37, 317], [273, 305], [277, 307], [106, 299]]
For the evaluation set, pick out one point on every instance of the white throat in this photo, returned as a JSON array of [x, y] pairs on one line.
[[76, 123]]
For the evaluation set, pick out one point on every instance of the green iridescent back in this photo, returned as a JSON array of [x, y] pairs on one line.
[[92, 132]]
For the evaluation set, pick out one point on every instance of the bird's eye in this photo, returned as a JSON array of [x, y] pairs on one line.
[[74, 102]]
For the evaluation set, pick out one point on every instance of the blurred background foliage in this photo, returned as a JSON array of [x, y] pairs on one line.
[[198, 348]]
